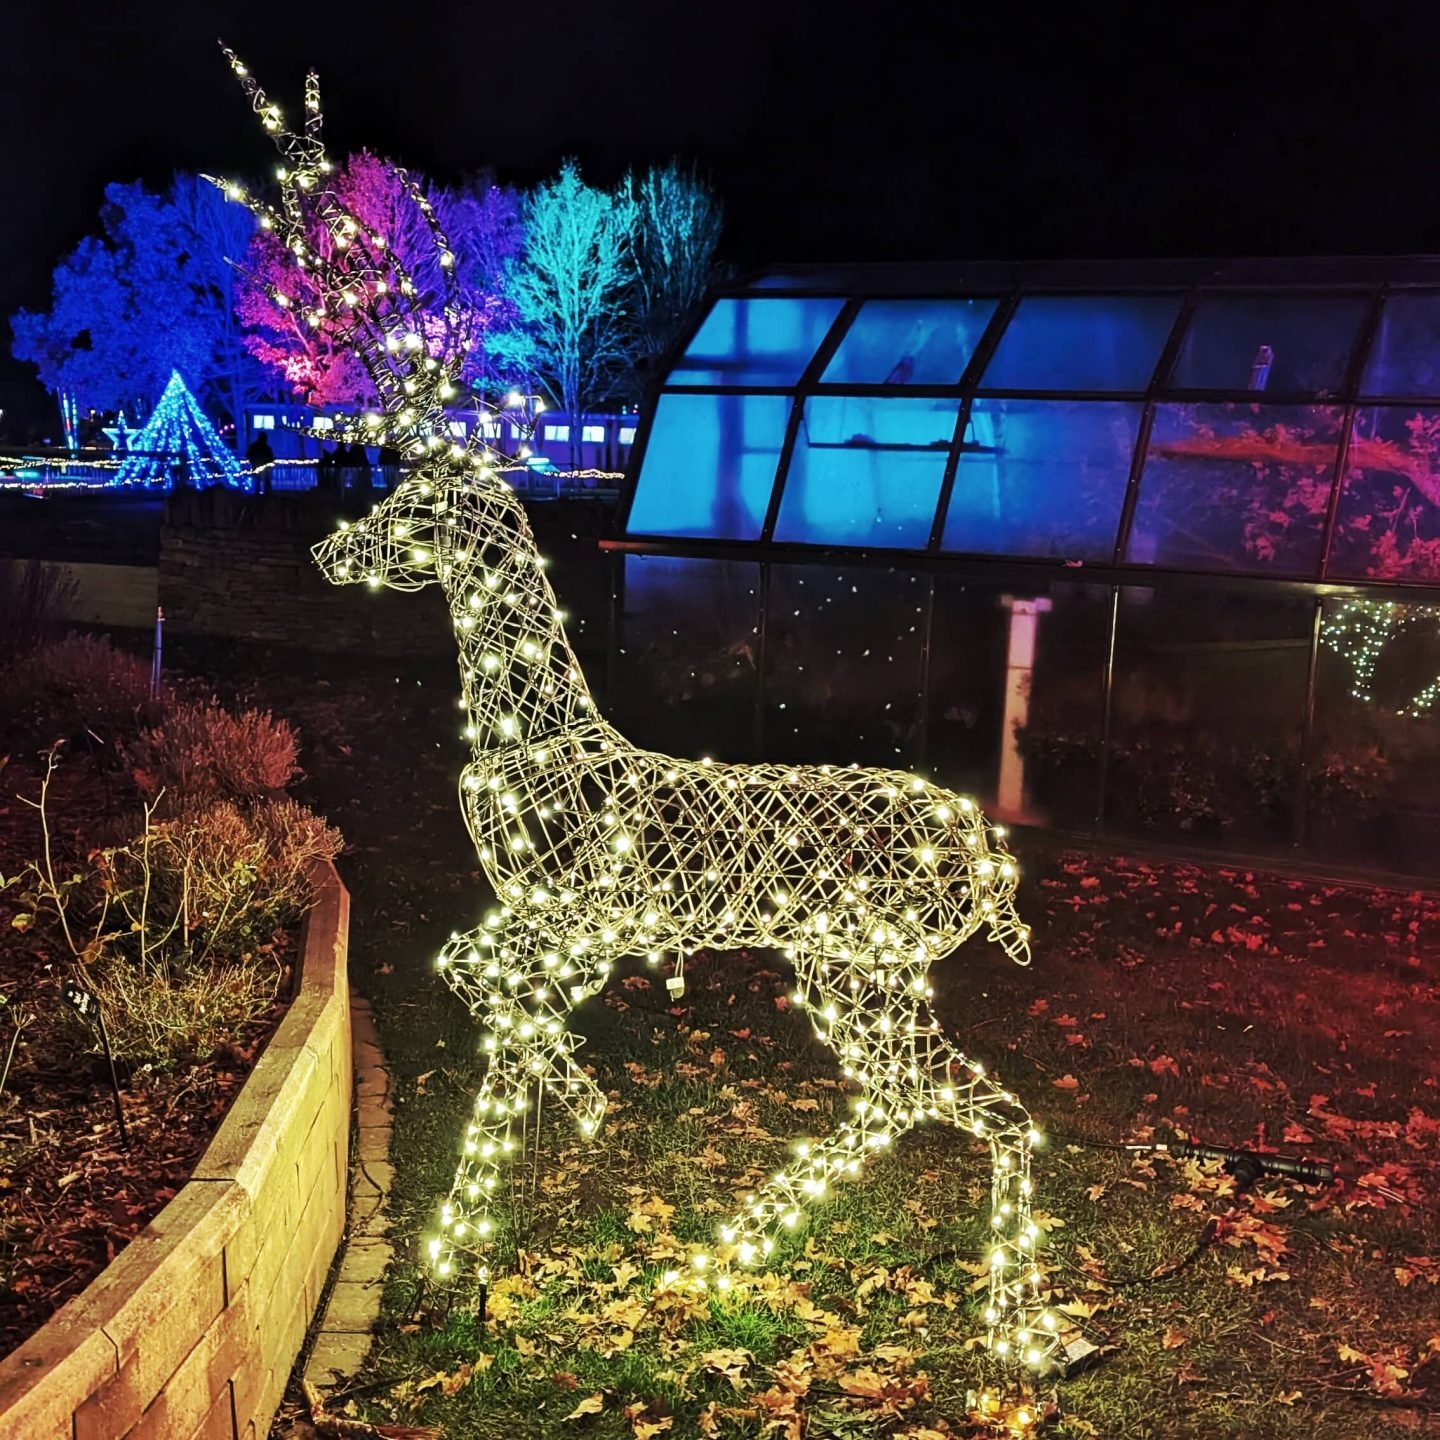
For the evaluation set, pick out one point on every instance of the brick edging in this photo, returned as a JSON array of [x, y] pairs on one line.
[[342, 1333], [221, 1285]]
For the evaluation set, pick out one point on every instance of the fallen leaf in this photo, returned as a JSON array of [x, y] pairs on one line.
[[591, 1405]]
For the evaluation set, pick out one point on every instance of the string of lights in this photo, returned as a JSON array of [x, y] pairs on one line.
[[1359, 631], [599, 850], [178, 438]]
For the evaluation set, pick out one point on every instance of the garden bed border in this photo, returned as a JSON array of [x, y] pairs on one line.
[[193, 1329]]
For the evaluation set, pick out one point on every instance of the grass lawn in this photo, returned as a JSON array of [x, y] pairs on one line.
[[1238, 1008]]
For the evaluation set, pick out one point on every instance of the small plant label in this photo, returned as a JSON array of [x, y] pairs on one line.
[[83, 1002]]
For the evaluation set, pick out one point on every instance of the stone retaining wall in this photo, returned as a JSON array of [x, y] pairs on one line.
[[239, 567], [194, 1328]]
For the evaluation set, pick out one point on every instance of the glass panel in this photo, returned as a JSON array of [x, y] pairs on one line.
[[1405, 359], [1236, 487], [685, 662], [910, 342], [1042, 477], [1207, 713], [1387, 526], [842, 677], [1082, 342], [1375, 773], [1256, 342], [755, 342], [709, 466], [1025, 740], [867, 471]]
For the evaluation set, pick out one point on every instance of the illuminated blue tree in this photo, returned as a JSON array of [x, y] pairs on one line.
[[178, 442], [678, 219], [156, 292], [570, 287]]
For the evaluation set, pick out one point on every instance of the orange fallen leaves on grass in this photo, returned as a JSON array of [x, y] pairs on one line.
[[591, 1405]]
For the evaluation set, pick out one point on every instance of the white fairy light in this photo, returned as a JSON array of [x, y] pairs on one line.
[[1359, 630], [597, 849]]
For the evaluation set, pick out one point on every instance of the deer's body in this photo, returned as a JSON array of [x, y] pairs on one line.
[[598, 849]]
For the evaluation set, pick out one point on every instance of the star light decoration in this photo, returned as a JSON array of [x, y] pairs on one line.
[[1359, 630], [598, 850]]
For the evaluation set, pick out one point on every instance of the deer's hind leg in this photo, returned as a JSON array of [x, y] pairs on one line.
[[850, 1019], [522, 989], [933, 1079]]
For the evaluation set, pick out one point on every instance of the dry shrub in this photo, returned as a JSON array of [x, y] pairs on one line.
[[190, 921], [153, 1017], [34, 599], [201, 749], [77, 684]]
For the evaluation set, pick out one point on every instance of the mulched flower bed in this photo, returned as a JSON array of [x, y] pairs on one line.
[[71, 1197]]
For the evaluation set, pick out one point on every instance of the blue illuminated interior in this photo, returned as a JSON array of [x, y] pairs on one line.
[[1182, 425], [1082, 342], [910, 342], [1042, 478], [755, 342], [867, 471], [713, 460], [1281, 344]]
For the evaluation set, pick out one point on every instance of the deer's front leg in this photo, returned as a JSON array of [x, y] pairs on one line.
[[522, 990]]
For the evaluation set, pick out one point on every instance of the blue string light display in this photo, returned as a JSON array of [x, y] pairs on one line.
[[179, 442]]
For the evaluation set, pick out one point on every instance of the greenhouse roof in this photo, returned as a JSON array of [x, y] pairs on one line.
[[1260, 417]]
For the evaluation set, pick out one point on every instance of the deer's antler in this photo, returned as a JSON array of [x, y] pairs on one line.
[[367, 298]]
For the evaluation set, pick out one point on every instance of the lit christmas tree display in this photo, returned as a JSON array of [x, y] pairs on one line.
[[598, 849], [178, 443]]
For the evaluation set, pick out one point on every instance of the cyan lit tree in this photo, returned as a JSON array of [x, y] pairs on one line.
[[154, 293], [571, 286], [678, 219]]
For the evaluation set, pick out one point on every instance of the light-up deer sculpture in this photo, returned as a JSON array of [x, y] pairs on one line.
[[598, 850]]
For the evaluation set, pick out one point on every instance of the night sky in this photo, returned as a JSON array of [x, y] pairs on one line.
[[905, 131]]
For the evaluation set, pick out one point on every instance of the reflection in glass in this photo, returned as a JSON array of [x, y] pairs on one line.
[[1058, 741], [1387, 526], [1207, 713], [686, 654], [842, 675], [709, 466], [1288, 345], [1236, 487], [1405, 358], [866, 471], [1043, 478], [1376, 750], [1082, 342], [755, 342], [910, 342]]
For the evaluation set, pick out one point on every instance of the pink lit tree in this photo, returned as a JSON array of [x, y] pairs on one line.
[[482, 221]]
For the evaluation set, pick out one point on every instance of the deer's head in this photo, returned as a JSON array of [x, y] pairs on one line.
[[435, 523]]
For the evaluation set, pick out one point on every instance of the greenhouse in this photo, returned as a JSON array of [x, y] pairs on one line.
[[1143, 548]]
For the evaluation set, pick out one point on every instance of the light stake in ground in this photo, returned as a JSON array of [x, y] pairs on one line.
[[598, 849]]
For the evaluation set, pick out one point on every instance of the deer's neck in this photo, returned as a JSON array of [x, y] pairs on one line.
[[522, 681]]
